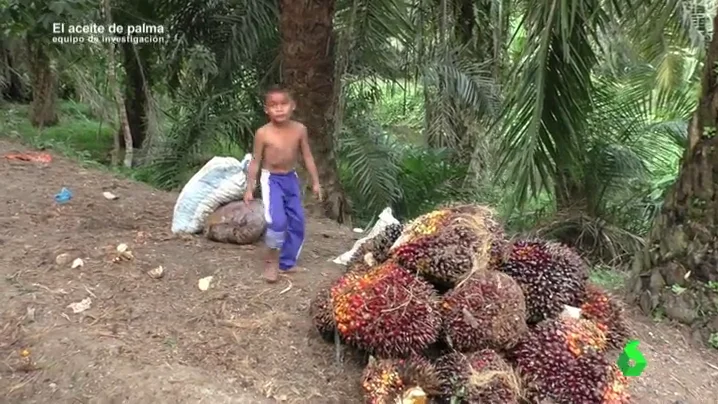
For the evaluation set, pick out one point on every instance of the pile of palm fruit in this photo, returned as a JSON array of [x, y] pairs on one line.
[[449, 311]]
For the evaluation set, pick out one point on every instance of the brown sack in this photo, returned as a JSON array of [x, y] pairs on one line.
[[237, 223]]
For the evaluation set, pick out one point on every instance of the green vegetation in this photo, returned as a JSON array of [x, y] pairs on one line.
[[78, 135], [570, 118], [607, 278]]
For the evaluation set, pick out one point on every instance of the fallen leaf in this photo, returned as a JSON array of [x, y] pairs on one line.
[[79, 307]]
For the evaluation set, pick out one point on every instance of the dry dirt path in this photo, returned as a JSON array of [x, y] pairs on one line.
[[165, 341]]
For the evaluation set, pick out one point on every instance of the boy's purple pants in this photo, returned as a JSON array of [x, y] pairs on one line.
[[284, 214]]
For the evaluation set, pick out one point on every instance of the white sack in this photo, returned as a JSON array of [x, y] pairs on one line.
[[385, 219], [221, 180]]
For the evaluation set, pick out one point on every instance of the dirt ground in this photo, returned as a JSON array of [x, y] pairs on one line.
[[147, 340]]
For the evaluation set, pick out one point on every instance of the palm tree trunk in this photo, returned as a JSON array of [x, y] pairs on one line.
[[677, 273], [465, 21], [119, 101], [43, 110], [569, 193], [136, 102], [308, 70], [13, 89]]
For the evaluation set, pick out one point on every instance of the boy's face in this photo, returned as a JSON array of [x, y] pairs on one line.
[[278, 106]]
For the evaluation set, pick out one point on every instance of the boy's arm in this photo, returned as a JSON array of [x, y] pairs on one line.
[[308, 158], [256, 160]]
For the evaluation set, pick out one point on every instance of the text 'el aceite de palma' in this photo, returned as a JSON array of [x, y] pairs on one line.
[[114, 33]]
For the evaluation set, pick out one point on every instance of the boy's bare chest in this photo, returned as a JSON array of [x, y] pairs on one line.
[[283, 145]]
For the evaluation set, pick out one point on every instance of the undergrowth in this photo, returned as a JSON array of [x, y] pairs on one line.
[[78, 135], [607, 277]]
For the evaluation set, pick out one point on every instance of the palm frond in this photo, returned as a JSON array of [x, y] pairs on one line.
[[546, 112], [237, 33], [431, 179], [199, 117], [595, 237], [369, 166]]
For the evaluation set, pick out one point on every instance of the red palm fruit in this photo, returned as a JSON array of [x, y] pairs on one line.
[[386, 310]]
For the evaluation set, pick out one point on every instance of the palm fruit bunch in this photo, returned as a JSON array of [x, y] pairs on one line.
[[358, 266], [386, 310], [488, 310], [564, 360], [497, 251], [427, 224], [551, 275], [377, 247], [446, 245], [388, 381], [357, 262], [616, 390], [482, 377], [443, 259], [607, 313], [487, 218], [381, 244], [320, 309]]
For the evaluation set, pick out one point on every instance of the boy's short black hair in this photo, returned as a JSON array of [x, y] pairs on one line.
[[277, 89]]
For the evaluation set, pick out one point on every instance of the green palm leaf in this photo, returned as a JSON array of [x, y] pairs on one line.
[[546, 112]]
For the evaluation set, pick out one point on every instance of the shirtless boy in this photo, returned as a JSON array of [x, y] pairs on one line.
[[276, 148]]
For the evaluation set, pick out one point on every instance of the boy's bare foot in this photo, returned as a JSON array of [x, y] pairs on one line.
[[270, 272]]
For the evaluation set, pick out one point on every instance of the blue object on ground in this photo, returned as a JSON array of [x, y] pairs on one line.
[[64, 196]]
